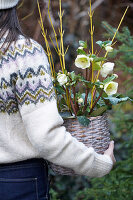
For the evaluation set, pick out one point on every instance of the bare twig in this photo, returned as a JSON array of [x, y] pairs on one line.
[[76, 104], [94, 6], [38, 27], [55, 23], [124, 5]]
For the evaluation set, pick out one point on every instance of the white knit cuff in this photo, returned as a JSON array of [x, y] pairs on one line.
[[101, 166], [5, 4]]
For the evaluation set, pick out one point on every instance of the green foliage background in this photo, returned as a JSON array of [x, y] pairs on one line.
[[119, 183]]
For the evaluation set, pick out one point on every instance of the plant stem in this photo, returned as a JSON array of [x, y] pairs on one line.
[[76, 104], [92, 47], [87, 91], [67, 96], [46, 41], [61, 36], [72, 104], [73, 107], [56, 39], [66, 100], [94, 93], [92, 33], [96, 102]]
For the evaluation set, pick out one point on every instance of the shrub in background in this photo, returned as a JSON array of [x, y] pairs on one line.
[[119, 183]]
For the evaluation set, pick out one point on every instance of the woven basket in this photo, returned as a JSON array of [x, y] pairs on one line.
[[96, 135]]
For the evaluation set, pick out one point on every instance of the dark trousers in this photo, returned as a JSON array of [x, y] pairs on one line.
[[24, 180]]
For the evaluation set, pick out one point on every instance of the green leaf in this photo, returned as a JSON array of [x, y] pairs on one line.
[[108, 79], [65, 72], [79, 113], [88, 109], [107, 42], [83, 120], [115, 100], [99, 43], [88, 83], [101, 103], [103, 43], [81, 52], [83, 44], [92, 56], [98, 59], [72, 75], [73, 83], [96, 66], [66, 115], [98, 83], [59, 89], [99, 111]]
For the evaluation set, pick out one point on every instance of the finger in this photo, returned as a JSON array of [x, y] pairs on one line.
[[110, 148], [111, 145], [114, 160]]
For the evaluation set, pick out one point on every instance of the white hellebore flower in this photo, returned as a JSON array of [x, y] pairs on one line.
[[108, 48], [80, 100], [82, 61], [61, 78], [111, 88], [106, 69]]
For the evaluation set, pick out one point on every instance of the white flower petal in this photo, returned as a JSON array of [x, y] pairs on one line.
[[111, 88], [82, 61], [80, 100], [108, 48], [106, 69], [62, 79], [81, 48]]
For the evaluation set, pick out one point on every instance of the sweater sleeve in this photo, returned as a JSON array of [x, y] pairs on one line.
[[44, 126]]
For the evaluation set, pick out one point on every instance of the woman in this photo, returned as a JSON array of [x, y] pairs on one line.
[[31, 131]]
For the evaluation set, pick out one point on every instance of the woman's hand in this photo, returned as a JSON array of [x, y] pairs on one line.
[[110, 152]]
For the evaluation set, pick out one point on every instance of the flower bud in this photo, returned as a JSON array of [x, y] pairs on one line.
[[80, 100], [81, 48], [106, 69], [116, 76], [108, 48], [101, 86], [62, 79]]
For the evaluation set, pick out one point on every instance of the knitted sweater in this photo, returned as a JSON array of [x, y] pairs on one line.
[[30, 124]]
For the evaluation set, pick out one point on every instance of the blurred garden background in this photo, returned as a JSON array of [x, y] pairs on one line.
[[118, 185]]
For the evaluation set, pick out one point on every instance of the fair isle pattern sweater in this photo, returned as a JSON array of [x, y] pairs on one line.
[[30, 124]]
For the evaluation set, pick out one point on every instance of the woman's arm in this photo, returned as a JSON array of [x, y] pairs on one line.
[[37, 105]]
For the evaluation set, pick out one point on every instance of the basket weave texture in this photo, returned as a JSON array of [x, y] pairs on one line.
[[96, 135]]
